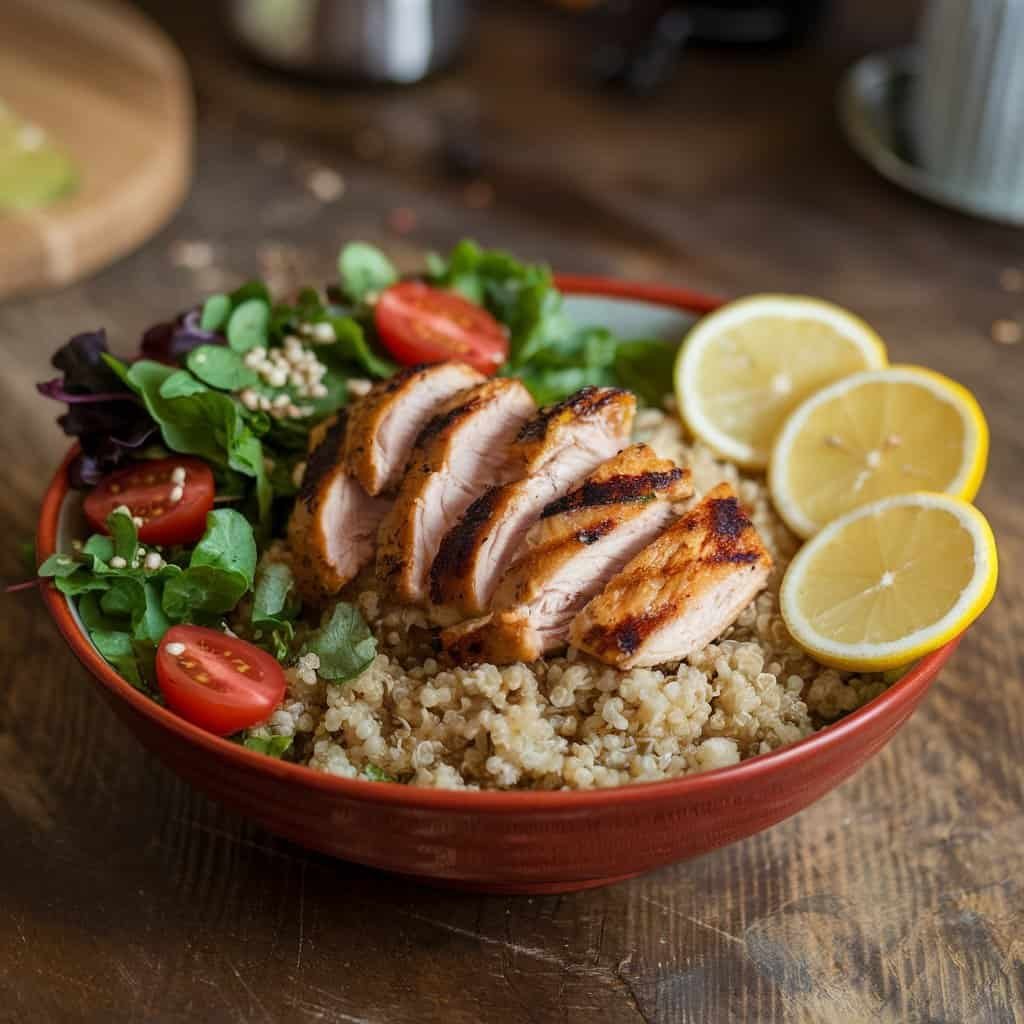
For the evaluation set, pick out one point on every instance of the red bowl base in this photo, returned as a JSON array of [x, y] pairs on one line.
[[517, 888]]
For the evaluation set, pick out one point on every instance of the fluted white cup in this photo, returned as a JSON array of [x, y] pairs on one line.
[[967, 108]]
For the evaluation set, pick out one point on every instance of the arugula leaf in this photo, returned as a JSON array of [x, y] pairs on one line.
[[272, 746], [274, 607], [248, 324], [352, 347], [220, 570], [228, 544], [221, 367], [364, 269], [344, 644], [216, 310], [123, 535], [375, 774]]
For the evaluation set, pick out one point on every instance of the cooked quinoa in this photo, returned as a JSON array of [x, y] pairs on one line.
[[571, 722]]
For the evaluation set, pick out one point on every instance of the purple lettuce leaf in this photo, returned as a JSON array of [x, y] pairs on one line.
[[170, 342], [105, 415]]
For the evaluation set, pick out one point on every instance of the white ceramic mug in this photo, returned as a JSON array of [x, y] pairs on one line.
[[967, 109]]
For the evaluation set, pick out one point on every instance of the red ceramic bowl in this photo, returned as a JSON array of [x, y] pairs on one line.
[[508, 842]]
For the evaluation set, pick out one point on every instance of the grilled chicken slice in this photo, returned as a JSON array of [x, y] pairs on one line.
[[384, 425], [581, 540], [557, 448], [334, 522], [681, 592], [461, 451]]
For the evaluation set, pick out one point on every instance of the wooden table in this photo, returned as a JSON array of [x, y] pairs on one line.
[[126, 896]]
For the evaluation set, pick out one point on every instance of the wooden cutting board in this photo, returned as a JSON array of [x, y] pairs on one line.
[[113, 91]]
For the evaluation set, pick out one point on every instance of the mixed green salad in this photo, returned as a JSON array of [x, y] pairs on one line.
[[192, 451]]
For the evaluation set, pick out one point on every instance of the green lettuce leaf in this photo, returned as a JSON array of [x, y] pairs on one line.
[[344, 644]]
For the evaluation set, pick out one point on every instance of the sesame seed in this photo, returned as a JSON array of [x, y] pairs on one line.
[[153, 561], [174, 649], [264, 403], [177, 493], [254, 357], [250, 398], [122, 510], [178, 475], [117, 562], [298, 472], [358, 386], [281, 402], [138, 522]]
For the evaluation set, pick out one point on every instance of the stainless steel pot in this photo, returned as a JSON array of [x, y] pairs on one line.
[[375, 40]]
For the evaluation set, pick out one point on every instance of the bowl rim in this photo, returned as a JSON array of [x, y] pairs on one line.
[[899, 696]]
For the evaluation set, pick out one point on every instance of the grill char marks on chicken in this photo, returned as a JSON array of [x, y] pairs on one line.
[[580, 542], [460, 452], [681, 592], [333, 525], [556, 448]]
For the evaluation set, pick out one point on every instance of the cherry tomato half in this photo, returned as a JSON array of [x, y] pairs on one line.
[[216, 681], [148, 489], [420, 324]]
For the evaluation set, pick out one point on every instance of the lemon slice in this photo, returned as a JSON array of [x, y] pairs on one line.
[[890, 581], [875, 434], [743, 368]]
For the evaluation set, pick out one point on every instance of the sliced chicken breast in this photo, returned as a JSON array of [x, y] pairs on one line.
[[462, 450], [580, 542], [557, 448], [681, 592], [384, 425], [334, 522]]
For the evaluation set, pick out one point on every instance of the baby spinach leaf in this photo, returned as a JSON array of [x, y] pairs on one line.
[[216, 310], [181, 384], [364, 269], [344, 644], [272, 746], [221, 367], [59, 567], [248, 325]]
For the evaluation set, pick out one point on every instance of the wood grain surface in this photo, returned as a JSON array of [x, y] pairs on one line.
[[113, 92], [899, 898]]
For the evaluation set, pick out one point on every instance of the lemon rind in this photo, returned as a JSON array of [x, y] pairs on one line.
[[848, 324], [879, 657], [965, 485]]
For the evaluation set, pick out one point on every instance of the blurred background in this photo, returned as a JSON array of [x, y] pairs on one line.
[[697, 142], [155, 151]]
